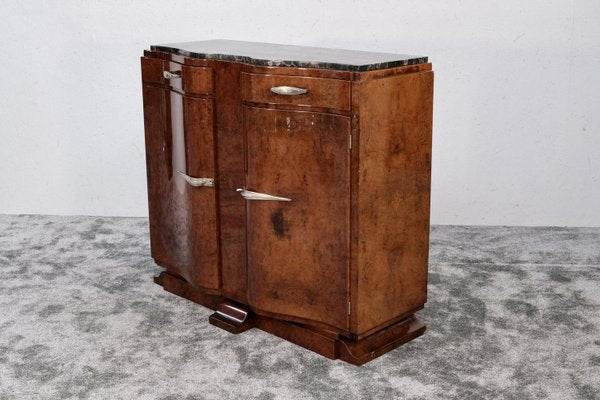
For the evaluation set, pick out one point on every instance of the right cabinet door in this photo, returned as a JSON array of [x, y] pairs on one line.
[[298, 250]]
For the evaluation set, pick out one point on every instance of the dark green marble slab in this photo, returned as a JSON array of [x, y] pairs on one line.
[[278, 55]]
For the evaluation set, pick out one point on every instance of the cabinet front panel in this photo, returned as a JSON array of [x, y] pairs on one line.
[[183, 219], [298, 250]]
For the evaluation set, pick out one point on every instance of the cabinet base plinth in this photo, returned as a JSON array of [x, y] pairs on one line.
[[358, 352], [237, 318]]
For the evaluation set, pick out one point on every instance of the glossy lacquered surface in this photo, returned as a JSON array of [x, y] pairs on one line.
[[340, 268], [295, 247], [392, 190], [181, 140], [193, 80], [320, 92]]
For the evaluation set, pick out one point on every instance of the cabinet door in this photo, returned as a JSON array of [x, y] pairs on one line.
[[298, 250], [183, 219]]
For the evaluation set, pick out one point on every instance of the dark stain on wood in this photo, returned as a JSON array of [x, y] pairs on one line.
[[278, 223]]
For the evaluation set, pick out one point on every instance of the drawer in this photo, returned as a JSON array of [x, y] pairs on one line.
[[191, 80], [152, 70], [316, 92]]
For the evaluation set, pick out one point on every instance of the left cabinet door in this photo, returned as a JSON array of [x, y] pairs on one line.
[[183, 215]]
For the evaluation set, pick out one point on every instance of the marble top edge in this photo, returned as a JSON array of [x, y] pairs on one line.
[[278, 55]]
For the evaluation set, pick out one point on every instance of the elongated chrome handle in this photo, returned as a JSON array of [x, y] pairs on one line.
[[249, 195], [171, 75], [288, 90], [198, 181]]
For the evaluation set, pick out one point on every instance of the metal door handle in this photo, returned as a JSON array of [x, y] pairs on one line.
[[249, 195], [171, 75], [288, 90], [198, 181]]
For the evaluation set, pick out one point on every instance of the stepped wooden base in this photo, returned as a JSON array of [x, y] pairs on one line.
[[237, 318]]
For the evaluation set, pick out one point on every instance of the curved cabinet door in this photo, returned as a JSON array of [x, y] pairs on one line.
[[183, 217], [298, 250]]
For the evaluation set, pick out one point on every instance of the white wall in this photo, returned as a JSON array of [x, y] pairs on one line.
[[516, 129]]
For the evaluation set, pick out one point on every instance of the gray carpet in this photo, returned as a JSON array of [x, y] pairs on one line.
[[513, 313]]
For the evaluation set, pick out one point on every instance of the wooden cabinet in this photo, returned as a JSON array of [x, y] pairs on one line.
[[292, 196]]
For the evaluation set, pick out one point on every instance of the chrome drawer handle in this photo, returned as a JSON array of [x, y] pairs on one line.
[[198, 181], [249, 195], [171, 75], [288, 90]]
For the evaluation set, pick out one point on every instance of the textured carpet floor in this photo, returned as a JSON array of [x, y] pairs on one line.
[[513, 313]]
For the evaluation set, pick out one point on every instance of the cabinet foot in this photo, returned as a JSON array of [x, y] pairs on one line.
[[232, 317], [237, 318]]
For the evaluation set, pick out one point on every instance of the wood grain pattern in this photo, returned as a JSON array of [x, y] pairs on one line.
[[361, 351], [382, 73], [394, 121], [193, 81], [158, 160], [295, 247], [197, 80], [152, 71], [202, 211], [183, 219], [295, 71], [179, 286], [231, 175], [327, 93]]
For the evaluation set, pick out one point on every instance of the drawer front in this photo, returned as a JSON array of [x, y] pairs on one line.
[[152, 71], [185, 78], [191, 80], [319, 92]]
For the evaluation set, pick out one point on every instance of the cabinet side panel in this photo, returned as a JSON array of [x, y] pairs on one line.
[[395, 121]]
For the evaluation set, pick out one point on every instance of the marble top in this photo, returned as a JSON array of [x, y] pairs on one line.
[[278, 55]]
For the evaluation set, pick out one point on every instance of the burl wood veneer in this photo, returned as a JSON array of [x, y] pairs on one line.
[[288, 189]]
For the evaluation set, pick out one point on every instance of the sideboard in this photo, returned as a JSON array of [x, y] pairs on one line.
[[289, 189]]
